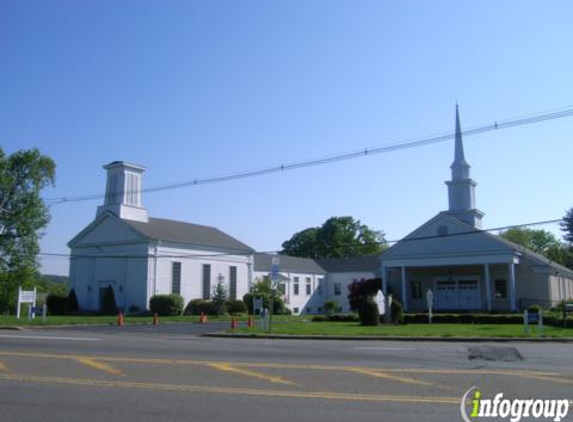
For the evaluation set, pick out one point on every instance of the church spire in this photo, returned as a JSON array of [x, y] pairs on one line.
[[461, 189]]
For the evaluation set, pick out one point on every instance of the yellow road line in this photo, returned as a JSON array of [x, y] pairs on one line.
[[381, 374], [230, 368], [100, 366], [237, 391], [3, 367], [549, 376]]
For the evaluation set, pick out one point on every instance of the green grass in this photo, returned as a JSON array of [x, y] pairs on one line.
[[410, 330], [12, 321]]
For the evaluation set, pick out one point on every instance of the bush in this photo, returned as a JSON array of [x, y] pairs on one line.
[[73, 305], [235, 307], [166, 305], [279, 307], [368, 312], [396, 312], [343, 318], [330, 307], [57, 305], [108, 306], [535, 309], [196, 306], [318, 318]]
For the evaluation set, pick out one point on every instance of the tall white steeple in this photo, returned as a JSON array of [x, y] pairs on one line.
[[461, 189], [123, 191]]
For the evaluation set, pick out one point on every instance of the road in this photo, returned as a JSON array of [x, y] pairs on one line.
[[170, 373]]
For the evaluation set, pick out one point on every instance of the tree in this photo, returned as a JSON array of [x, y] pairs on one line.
[[22, 215], [219, 297], [567, 226], [338, 237], [262, 288], [540, 241]]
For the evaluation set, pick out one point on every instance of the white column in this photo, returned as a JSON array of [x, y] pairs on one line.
[[385, 291], [488, 297], [403, 281], [512, 292]]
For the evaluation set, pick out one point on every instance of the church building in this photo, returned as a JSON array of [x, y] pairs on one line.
[[140, 256], [465, 267]]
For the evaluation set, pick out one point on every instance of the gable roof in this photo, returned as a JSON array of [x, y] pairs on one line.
[[352, 264], [182, 232], [292, 264]]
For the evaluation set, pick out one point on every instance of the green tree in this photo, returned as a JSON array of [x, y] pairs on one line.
[[22, 215], [338, 237], [567, 226], [219, 298], [263, 288], [540, 241]]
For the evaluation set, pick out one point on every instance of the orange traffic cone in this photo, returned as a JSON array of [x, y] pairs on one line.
[[155, 319], [202, 318], [250, 322], [120, 319], [234, 323]]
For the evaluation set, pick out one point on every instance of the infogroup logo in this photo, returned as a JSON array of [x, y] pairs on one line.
[[514, 409]]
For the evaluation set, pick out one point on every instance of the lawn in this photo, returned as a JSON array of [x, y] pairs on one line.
[[12, 321], [409, 330]]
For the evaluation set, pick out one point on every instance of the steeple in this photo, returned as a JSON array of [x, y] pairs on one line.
[[123, 191], [461, 189]]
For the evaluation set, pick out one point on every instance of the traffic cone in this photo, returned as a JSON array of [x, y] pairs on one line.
[[155, 319], [202, 318], [250, 321], [120, 319]]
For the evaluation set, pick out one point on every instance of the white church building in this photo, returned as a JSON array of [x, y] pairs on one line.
[[140, 256], [467, 268]]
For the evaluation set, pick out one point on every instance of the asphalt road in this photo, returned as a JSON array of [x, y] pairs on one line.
[[169, 373]]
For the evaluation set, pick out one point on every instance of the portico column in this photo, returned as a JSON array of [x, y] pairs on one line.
[[385, 292], [512, 292], [488, 297], [403, 281]]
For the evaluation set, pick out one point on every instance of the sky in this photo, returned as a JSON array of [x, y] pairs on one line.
[[195, 89]]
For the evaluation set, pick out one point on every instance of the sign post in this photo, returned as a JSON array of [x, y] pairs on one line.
[[275, 268], [25, 296], [430, 303]]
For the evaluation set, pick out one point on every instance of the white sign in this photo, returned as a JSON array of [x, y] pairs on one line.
[[25, 296], [380, 302]]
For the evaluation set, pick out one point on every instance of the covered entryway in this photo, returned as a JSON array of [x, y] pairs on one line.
[[457, 293]]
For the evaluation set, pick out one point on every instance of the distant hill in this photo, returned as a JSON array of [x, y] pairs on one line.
[[57, 278]]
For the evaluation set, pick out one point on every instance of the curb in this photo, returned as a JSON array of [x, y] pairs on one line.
[[393, 338], [11, 327]]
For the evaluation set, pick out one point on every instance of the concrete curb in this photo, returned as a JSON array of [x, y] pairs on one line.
[[11, 327], [393, 338]]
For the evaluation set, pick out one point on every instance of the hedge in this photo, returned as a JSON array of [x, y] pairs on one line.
[[166, 305], [196, 306]]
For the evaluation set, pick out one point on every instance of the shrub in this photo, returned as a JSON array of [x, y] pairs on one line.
[[279, 307], [196, 306], [396, 312], [359, 291], [368, 312], [235, 307], [57, 305], [318, 318], [108, 306], [166, 305], [330, 307], [73, 305], [343, 318], [536, 309]]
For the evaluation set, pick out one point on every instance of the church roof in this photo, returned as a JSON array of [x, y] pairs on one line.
[[352, 264], [182, 232], [293, 264]]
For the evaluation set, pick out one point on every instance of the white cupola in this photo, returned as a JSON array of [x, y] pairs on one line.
[[123, 191], [461, 189]]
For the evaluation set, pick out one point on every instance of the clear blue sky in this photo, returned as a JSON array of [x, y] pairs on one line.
[[192, 89]]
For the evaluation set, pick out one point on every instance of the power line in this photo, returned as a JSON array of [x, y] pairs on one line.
[[383, 242], [497, 125]]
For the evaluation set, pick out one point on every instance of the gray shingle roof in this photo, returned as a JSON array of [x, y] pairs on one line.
[[178, 231], [291, 264], [351, 264]]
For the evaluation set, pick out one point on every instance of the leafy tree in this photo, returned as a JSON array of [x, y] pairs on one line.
[[219, 297], [22, 215], [338, 237], [540, 241], [567, 226], [263, 288]]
